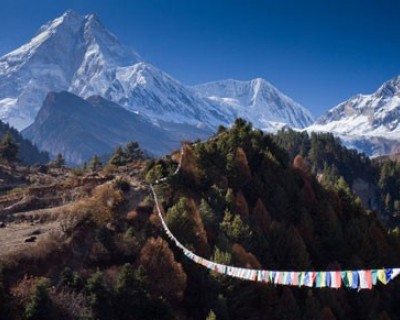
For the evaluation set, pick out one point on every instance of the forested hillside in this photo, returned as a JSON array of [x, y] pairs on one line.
[[376, 182], [238, 199], [27, 152]]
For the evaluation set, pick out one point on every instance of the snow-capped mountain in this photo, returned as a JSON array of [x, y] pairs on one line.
[[53, 60], [257, 101], [144, 89], [77, 54], [368, 122]]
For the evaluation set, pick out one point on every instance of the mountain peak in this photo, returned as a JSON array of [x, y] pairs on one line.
[[366, 116], [259, 81], [72, 52], [71, 14], [93, 21], [69, 18], [257, 101], [390, 88]]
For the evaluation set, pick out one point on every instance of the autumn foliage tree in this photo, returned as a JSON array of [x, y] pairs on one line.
[[168, 277]]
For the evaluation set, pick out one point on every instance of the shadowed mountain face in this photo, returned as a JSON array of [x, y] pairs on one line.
[[80, 128]]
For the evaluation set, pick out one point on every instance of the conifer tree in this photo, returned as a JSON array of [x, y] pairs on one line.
[[98, 295], [235, 228], [211, 316], [230, 200], [95, 163], [118, 158], [39, 307], [8, 149], [132, 151], [388, 202], [58, 161], [206, 213]]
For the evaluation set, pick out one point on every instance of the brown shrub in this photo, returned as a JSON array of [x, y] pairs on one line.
[[108, 196], [309, 195], [243, 163], [301, 164], [21, 291], [189, 166], [176, 156], [243, 258], [241, 204], [132, 215], [69, 303], [100, 208], [40, 251], [155, 219], [167, 276], [201, 235], [262, 215]]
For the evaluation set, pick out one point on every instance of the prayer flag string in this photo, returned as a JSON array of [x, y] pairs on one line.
[[354, 279]]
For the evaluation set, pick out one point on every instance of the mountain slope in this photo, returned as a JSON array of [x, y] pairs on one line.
[[368, 122], [80, 128], [257, 101], [144, 89]]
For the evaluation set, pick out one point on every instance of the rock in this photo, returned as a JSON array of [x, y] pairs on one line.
[[30, 239]]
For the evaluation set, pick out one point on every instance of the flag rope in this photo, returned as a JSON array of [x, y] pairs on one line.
[[354, 279]]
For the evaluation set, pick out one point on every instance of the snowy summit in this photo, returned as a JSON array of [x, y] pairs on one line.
[[78, 54]]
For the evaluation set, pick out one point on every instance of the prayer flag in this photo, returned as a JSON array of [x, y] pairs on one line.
[[382, 276], [321, 278], [336, 279]]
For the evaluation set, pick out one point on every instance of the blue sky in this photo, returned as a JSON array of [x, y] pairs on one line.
[[317, 52]]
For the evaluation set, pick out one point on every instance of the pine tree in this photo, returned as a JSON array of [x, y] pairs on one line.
[[207, 215], [39, 307], [396, 205], [230, 200], [8, 149], [98, 295], [118, 158], [236, 229], [184, 221], [131, 299], [95, 163], [388, 202], [58, 161], [132, 151], [66, 277], [211, 316]]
